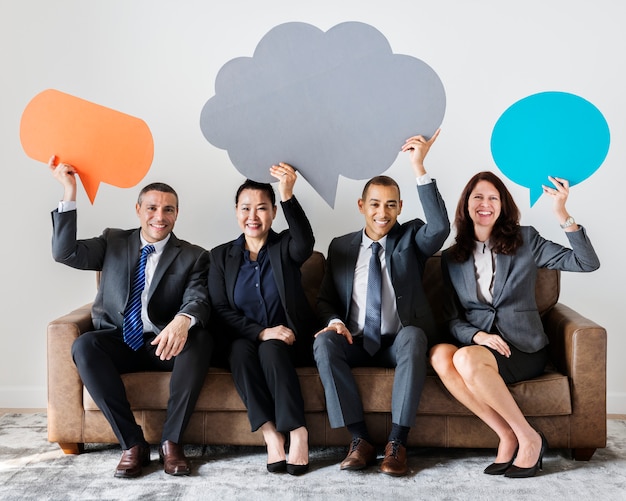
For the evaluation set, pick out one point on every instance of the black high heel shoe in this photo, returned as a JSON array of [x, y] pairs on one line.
[[277, 467], [297, 469], [500, 468], [517, 472]]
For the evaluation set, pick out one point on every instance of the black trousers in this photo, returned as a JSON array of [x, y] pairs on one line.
[[267, 382], [102, 356]]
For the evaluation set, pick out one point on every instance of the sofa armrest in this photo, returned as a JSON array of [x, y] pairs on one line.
[[578, 349], [65, 389]]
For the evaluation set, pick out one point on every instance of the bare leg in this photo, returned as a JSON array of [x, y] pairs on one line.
[[441, 358], [479, 370], [299, 446], [274, 441]]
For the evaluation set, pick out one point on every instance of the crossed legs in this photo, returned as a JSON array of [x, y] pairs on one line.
[[471, 375]]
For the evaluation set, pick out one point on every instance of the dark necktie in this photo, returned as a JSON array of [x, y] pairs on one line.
[[133, 326], [371, 331]]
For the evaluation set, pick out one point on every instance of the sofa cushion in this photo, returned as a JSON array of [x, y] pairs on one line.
[[547, 395]]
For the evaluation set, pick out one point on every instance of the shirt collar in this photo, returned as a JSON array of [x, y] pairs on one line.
[[158, 246], [367, 241]]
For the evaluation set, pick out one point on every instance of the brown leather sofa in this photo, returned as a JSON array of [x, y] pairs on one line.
[[568, 402]]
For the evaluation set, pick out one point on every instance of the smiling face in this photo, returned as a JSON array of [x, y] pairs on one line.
[[381, 208], [157, 212], [255, 214], [484, 206]]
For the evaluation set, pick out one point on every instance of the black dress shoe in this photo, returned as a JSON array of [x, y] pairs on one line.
[[297, 469], [172, 456], [517, 472], [277, 467], [132, 461], [500, 468]]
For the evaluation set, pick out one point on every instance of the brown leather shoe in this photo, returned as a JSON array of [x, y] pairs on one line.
[[132, 461], [172, 456], [394, 462], [361, 455]]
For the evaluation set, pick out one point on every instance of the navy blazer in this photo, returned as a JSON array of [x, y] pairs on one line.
[[179, 284], [408, 247], [514, 308], [287, 252]]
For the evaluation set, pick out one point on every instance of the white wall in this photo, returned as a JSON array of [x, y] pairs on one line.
[[158, 59]]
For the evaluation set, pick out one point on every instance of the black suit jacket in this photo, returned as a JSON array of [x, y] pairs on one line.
[[287, 251], [408, 246]]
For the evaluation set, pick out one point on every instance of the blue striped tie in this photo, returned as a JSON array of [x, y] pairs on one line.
[[133, 326], [371, 331]]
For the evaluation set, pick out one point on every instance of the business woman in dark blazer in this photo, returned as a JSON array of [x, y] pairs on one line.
[[255, 288], [490, 275]]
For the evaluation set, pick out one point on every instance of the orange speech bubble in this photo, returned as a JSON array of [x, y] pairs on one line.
[[104, 145]]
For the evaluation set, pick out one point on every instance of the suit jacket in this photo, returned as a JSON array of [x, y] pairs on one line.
[[514, 308], [179, 284], [408, 247], [287, 251]]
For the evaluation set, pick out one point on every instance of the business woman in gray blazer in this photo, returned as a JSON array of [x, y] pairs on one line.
[[490, 275], [258, 300]]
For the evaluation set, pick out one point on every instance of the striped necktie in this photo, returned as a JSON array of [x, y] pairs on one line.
[[133, 326], [371, 331]]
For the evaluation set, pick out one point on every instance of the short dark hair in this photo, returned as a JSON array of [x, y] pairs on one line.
[[249, 184], [162, 187], [380, 181]]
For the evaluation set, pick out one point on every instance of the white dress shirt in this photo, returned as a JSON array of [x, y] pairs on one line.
[[390, 320], [485, 269]]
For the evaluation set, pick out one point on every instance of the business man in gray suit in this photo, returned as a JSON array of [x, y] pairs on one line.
[[148, 315], [376, 311]]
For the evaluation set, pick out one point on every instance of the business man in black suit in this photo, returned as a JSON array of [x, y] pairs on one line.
[[380, 318], [171, 312]]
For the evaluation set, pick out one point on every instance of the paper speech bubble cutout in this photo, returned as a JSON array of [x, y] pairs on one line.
[[330, 104], [549, 134], [104, 145]]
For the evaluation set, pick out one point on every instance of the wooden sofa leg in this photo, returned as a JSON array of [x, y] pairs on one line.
[[582, 454], [72, 448]]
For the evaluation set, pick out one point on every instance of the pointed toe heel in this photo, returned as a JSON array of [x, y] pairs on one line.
[[277, 467], [517, 472], [297, 469]]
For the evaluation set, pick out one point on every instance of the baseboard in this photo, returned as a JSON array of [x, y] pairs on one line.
[[24, 397], [616, 402]]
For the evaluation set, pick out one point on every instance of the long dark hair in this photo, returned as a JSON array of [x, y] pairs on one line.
[[505, 237]]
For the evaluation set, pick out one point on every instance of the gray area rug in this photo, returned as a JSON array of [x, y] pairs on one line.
[[33, 468]]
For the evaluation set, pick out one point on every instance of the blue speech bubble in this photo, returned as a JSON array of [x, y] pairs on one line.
[[549, 134], [329, 103]]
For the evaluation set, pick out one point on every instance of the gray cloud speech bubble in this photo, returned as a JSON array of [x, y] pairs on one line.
[[330, 104]]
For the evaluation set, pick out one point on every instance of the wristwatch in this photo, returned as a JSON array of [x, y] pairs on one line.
[[568, 222]]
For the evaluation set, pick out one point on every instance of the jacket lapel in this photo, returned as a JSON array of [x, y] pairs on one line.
[[231, 270], [349, 265], [503, 266], [133, 245], [170, 252]]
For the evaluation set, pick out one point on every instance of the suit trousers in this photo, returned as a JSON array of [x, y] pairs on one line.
[[266, 380], [102, 356], [406, 352]]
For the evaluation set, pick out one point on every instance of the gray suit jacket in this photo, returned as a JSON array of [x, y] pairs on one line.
[[179, 284], [514, 309], [408, 247]]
